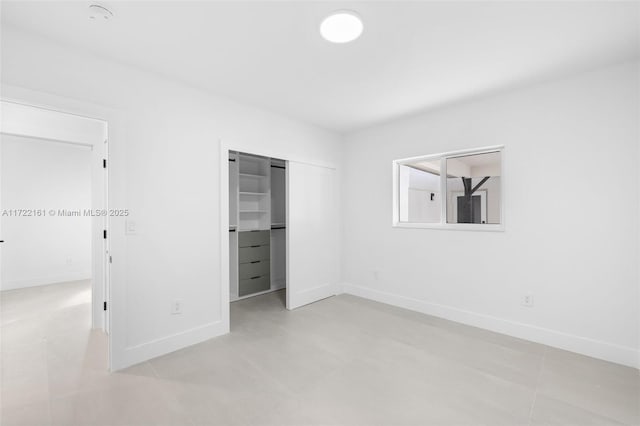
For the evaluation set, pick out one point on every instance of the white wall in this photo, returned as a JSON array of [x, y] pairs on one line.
[[416, 204], [571, 214], [47, 175], [166, 162]]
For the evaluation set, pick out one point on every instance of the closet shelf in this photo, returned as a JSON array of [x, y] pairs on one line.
[[254, 176], [253, 211], [253, 193]]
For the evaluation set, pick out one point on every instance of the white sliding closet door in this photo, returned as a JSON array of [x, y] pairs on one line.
[[313, 234]]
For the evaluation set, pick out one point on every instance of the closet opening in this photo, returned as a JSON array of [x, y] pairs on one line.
[[257, 226]]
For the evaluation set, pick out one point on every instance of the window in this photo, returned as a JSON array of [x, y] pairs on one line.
[[470, 180]]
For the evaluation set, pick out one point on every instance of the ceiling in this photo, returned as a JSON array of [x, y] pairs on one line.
[[470, 165], [412, 55], [480, 160]]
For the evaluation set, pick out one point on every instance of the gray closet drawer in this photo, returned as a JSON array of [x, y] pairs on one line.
[[253, 238], [250, 254], [255, 285], [256, 268]]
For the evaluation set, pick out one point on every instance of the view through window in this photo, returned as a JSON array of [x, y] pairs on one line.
[[471, 182]]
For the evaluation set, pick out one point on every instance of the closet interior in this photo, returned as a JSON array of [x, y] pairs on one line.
[[257, 225]]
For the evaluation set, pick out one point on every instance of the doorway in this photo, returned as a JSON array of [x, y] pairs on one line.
[[257, 225], [54, 221], [478, 211]]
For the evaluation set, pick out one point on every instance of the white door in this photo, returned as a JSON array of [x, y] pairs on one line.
[[313, 234], [482, 193], [105, 248]]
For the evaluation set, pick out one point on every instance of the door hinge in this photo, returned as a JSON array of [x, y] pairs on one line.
[[104, 163], [104, 234], [104, 305], [110, 259]]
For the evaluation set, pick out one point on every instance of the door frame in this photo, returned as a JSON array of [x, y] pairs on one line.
[[223, 162], [225, 148], [482, 193], [97, 144], [112, 275]]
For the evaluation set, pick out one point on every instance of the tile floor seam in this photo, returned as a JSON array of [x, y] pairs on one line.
[[535, 393]]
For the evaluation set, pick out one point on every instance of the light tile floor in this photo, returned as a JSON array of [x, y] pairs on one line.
[[340, 361]]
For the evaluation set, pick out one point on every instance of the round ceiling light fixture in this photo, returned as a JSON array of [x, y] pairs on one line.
[[341, 26], [97, 12]]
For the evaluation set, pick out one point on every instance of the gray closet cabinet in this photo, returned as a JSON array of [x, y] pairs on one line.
[[254, 262]]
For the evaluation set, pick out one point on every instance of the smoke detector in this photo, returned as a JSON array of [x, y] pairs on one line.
[[99, 13]]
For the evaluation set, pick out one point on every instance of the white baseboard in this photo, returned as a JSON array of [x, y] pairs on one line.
[[582, 345], [155, 348], [314, 294], [45, 280]]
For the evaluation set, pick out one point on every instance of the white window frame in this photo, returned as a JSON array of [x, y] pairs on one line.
[[443, 225]]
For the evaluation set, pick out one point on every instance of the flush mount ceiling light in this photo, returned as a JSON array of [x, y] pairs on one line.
[[99, 13], [341, 26]]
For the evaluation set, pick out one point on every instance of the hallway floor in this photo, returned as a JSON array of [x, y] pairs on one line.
[[340, 361]]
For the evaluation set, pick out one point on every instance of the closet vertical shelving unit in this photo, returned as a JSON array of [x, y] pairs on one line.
[[254, 193], [255, 253]]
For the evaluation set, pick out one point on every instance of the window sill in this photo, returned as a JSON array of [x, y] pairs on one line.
[[452, 226]]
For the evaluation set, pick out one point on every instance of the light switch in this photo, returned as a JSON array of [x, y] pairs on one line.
[[130, 227]]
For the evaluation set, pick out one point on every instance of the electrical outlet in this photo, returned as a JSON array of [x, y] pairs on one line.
[[69, 261], [527, 300], [376, 275], [176, 307]]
